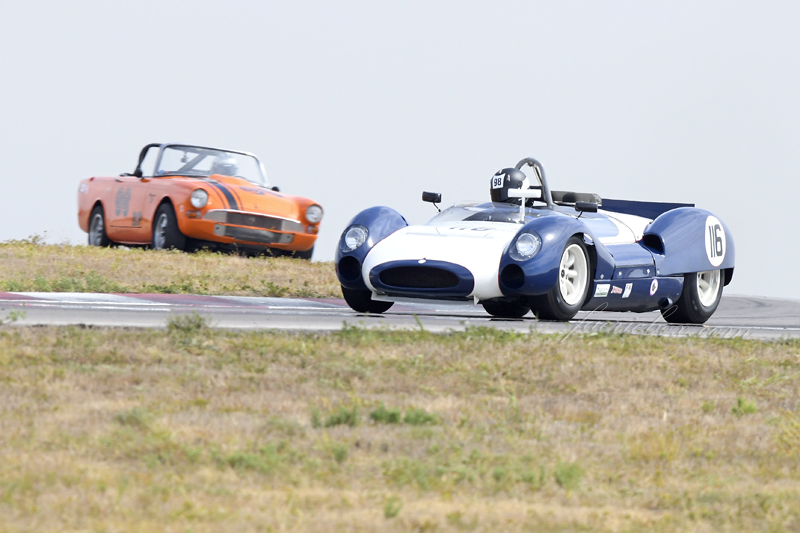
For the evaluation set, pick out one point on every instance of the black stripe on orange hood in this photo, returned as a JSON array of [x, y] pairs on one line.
[[232, 204]]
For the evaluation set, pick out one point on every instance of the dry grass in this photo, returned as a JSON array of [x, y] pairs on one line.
[[31, 266], [192, 429]]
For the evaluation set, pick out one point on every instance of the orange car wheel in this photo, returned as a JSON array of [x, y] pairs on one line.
[[97, 228], [166, 234], [304, 255]]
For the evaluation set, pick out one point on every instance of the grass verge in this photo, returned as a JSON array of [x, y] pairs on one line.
[[29, 265], [190, 428]]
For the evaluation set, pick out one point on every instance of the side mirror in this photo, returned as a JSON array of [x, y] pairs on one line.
[[432, 197], [137, 172], [276, 189], [586, 207]]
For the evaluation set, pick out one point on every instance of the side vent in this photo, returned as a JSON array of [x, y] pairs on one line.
[[654, 242]]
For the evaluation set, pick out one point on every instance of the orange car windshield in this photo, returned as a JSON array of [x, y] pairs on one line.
[[202, 162]]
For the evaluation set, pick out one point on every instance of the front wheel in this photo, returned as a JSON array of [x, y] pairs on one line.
[[701, 294], [362, 302], [565, 299], [506, 309], [304, 255], [166, 233]]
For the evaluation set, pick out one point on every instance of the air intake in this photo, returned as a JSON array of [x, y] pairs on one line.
[[418, 277]]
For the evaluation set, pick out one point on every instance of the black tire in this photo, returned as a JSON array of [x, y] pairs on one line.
[[690, 309], [166, 234], [97, 228], [304, 255], [505, 309], [554, 304], [362, 302]]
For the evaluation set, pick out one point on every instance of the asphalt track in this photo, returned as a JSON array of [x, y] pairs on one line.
[[737, 316]]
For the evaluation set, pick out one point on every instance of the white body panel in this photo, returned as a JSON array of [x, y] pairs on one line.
[[630, 227], [477, 246]]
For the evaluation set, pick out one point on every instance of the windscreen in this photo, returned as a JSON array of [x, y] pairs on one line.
[[202, 162], [478, 212]]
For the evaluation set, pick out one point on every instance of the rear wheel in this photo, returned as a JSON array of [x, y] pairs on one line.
[[97, 228], [565, 299], [362, 302], [505, 309], [166, 233], [701, 294]]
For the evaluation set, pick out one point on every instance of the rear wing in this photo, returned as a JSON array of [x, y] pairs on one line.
[[649, 210]]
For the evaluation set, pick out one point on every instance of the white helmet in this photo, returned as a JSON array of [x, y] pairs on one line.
[[225, 164]]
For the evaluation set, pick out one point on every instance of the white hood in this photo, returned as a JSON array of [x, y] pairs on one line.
[[477, 246]]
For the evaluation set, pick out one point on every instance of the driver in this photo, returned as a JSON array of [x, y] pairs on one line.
[[505, 179], [225, 164]]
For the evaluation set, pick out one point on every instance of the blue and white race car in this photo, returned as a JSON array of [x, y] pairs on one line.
[[533, 249]]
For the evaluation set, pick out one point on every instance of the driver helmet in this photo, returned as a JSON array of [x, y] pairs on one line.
[[225, 164], [505, 179]]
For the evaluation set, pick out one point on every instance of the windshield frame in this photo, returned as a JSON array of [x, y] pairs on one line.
[[475, 208], [259, 165]]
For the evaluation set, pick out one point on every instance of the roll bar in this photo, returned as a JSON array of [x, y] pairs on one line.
[[539, 169]]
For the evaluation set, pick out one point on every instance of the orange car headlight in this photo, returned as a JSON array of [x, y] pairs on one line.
[[199, 198], [314, 213]]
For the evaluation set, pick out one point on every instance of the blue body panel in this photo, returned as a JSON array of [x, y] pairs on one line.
[[632, 261], [381, 222], [640, 297], [541, 272], [682, 234]]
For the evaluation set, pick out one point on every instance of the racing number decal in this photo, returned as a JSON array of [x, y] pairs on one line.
[[715, 241], [497, 181], [123, 201]]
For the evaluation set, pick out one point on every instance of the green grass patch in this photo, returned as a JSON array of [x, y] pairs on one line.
[[30, 265], [193, 428]]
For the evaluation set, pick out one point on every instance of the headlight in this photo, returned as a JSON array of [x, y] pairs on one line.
[[314, 214], [353, 237], [199, 198], [526, 246]]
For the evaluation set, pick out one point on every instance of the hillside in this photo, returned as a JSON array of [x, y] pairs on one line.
[[30, 265]]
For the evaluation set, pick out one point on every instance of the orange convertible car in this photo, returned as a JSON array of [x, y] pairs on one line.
[[182, 196]]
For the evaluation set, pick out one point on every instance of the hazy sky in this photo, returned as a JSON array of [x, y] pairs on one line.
[[356, 104]]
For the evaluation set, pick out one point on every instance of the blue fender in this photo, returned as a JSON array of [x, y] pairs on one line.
[[380, 222], [689, 239], [539, 274]]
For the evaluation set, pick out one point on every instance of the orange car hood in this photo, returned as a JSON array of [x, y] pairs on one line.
[[251, 197]]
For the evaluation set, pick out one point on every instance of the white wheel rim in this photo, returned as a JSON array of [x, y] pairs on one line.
[[96, 231], [708, 284], [160, 232], [573, 274]]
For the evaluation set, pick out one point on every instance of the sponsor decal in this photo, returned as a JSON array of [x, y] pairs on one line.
[[628, 289], [653, 287], [715, 241], [616, 290], [601, 291]]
